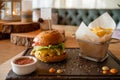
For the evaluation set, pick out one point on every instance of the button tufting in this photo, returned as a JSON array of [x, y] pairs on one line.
[[76, 16]]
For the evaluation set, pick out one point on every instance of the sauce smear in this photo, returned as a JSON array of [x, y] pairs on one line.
[[23, 61]]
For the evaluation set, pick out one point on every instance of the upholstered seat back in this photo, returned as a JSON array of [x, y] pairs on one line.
[[76, 16]]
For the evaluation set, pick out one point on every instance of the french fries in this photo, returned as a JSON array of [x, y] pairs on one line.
[[101, 31]]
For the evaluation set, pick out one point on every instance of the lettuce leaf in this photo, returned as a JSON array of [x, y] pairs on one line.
[[59, 46]]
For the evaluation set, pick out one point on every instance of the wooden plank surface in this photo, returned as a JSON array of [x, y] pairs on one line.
[[26, 39], [69, 31]]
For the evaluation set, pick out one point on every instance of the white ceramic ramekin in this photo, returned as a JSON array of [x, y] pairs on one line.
[[26, 68]]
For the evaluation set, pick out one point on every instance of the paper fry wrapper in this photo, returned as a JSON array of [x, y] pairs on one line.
[[93, 39], [85, 33]]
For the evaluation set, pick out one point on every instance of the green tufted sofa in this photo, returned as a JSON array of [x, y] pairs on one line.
[[76, 16]]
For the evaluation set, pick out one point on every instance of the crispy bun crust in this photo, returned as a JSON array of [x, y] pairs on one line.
[[50, 37], [52, 59]]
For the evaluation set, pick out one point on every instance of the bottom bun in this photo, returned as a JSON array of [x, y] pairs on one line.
[[52, 58]]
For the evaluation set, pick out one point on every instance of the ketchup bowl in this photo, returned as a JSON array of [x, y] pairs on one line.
[[24, 65]]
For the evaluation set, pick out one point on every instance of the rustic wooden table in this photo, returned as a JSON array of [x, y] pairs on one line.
[[69, 31]]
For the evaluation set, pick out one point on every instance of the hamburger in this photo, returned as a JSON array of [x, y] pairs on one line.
[[48, 46]]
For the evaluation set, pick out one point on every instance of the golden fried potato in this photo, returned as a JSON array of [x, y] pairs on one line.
[[101, 31]]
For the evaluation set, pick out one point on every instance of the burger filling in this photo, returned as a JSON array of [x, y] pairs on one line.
[[50, 50]]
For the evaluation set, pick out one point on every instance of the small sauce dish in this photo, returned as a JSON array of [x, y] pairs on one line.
[[24, 65]]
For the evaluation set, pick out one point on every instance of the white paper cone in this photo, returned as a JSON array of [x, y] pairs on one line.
[[104, 21], [84, 33]]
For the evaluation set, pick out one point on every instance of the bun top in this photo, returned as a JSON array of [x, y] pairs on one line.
[[51, 37]]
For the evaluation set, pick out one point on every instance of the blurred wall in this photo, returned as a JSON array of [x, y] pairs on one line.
[[109, 4]]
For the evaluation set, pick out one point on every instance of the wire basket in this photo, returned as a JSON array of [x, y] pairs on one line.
[[93, 50]]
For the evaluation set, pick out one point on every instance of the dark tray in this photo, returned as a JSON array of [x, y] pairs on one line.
[[74, 67]]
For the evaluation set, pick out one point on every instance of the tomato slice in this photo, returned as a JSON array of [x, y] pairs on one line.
[[35, 44]]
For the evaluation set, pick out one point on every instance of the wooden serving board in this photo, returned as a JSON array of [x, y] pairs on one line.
[[74, 67], [19, 27], [26, 39]]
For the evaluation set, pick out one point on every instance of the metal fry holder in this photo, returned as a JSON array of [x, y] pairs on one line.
[[94, 51]]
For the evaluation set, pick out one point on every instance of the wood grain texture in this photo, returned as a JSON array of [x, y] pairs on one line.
[[19, 27], [24, 39]]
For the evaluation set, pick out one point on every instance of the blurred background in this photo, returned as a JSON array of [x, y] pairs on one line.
[[95, 4]]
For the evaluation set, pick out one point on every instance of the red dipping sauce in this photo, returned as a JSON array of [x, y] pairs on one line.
[[23, 61]]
